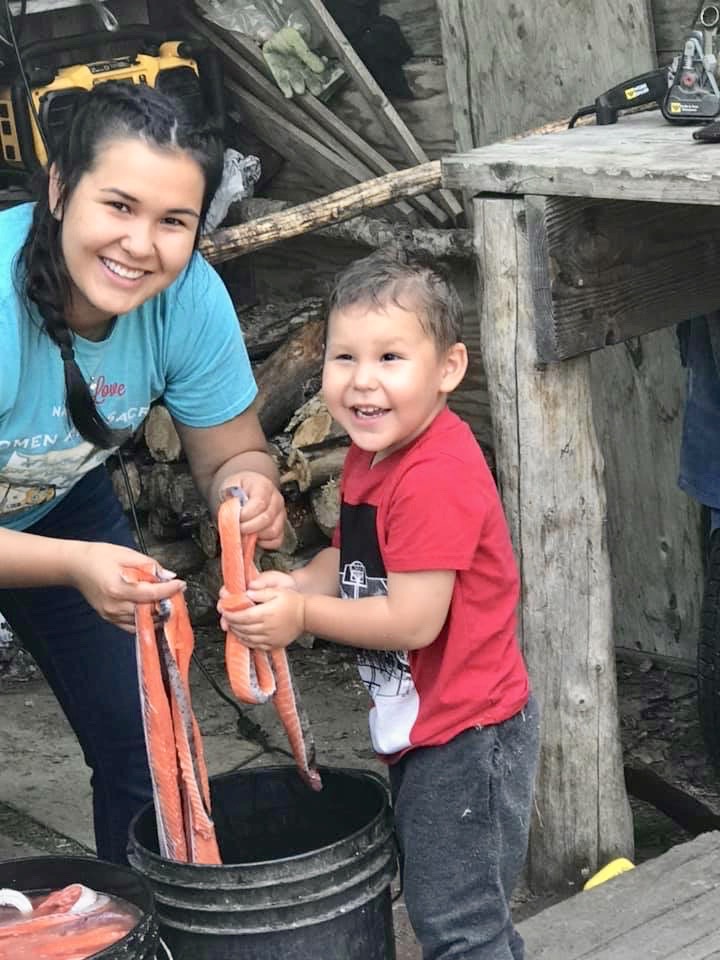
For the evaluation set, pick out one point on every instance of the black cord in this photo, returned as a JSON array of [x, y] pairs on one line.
[[23, 74], [582, 112]]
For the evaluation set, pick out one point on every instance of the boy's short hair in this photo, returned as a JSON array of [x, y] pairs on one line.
[[409, 281]]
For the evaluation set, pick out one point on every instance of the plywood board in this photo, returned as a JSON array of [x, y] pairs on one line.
[[512, 67]]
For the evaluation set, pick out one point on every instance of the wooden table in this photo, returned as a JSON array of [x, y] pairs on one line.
[[665, 909], [584, 238]]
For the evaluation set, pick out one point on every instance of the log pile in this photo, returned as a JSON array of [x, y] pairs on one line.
[[285, 345]]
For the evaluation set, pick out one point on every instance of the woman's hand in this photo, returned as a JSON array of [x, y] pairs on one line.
[[264, 512], [96, 570], [274, 621]]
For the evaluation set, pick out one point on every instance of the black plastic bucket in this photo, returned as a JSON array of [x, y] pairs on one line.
[[304, 875], [51, 873]]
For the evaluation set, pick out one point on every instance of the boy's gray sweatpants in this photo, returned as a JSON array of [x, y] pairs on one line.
[[462, 815]]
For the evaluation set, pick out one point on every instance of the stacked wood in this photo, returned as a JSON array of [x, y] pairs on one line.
[[285, 345]]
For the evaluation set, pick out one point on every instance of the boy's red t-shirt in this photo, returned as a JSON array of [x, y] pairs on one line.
[[434, 506]]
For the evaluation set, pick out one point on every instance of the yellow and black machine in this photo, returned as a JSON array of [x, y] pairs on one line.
[[186, 68]]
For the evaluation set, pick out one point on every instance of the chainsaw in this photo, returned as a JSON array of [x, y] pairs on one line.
[[38, 96], [686, 91]]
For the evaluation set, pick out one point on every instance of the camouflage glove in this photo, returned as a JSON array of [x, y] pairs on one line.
[[292, 63]]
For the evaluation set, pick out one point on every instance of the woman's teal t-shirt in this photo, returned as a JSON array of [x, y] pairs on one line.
[[183, 346]]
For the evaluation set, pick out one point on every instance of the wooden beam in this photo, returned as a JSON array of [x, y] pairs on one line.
[[359, 73], [455, 244], [306, 217], [291, 141], [608, 271], [550, 474]]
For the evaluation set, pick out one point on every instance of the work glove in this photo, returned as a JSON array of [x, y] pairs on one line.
[[292, 63]]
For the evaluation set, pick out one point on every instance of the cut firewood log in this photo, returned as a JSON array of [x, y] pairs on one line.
[[313, 426], [283, 378], [301, 529], [305, 217], [137, 480], [200, 602], [206, 536], [161, 436], [158, 482], [267, 326], [203, 591], [313, 431], [325, 506], [184, 498], [313, 468], [165, 526], [181, 556]]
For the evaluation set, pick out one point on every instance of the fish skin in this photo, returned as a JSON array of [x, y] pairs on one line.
[[181, 791], [72, 923], [254, 676]]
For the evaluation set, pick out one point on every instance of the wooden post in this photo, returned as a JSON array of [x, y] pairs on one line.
[[550, 473]]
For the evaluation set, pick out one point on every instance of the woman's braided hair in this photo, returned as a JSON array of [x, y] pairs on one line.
[[111, 111]]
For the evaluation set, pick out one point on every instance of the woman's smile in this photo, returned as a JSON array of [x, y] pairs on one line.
[[121, 272]]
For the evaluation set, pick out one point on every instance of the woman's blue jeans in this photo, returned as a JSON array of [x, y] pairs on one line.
[[90, 664]]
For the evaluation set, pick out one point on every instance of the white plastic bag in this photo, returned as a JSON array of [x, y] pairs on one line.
[[240, 174], [257, 19]]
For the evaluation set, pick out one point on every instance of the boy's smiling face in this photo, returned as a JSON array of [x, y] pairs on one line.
[[384, 379]]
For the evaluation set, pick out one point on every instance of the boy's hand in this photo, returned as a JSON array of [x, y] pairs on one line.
[[275, 579], [274, 621]]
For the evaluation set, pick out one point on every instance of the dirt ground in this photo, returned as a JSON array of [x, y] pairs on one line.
[[44, 795]]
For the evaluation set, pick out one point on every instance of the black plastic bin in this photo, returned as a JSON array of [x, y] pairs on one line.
[[305, 875], [42, 874]]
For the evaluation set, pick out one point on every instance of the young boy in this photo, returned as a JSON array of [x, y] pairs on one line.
[[421, 579]]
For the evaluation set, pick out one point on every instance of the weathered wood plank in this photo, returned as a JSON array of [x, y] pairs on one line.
[[642, 157], [419, 23], [428, 114], [550, 474], [672, 19], [653, 527], [615, 270], [395, 126], [605, 272], [525, 70], [666, 909]]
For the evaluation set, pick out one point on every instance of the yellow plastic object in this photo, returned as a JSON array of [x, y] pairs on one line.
[[612, 869], [69, 81]]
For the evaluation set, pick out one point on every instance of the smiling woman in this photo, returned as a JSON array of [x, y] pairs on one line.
[[105, 307], [122, 246]]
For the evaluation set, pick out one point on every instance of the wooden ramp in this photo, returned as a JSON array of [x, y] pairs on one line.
[[665, 909]]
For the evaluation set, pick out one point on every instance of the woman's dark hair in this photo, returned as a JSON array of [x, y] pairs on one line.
[[111, 111], [410, 281]]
